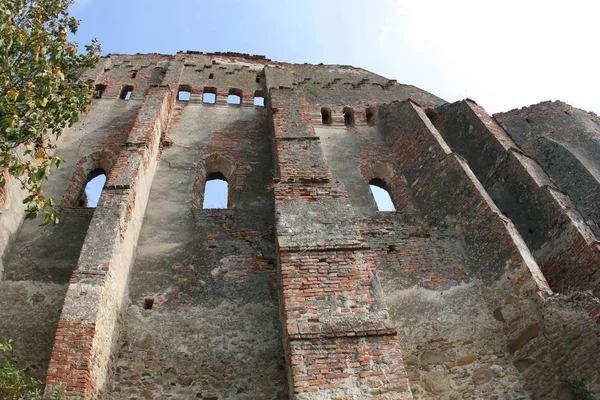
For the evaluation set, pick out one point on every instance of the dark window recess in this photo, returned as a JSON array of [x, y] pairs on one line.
[[211, 76], [257, 79], [326, 116], [348, 116], [93, 189], [133, 74], [99, 91], [216, 191], [370, 113], [381, 195], [148, 303], [126, 92]]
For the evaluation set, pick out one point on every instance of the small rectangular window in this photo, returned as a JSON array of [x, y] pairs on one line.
[[348, 116], [370, 114], [183, 95], [326, 116], [126, 92], [209, 98], [234, 99], [259, 101], [99, 91]]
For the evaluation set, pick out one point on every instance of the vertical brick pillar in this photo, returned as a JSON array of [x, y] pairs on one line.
[[86, 330], [340, 343]]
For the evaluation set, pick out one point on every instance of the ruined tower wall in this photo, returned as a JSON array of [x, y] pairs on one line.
[[301, 288]]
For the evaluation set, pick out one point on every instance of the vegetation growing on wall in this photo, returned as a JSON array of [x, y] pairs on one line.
[[40, 93]]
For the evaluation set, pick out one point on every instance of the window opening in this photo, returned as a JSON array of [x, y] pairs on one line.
[[235, 96], [126, 92], [209, 97], [93, 189], [259, 101], [234, 99], [370, 116], [348, 116], [381, 195], [133, 74], [211, 76], [216, 191], [257, 79], [326, 116], [183, 95], [99, 91]]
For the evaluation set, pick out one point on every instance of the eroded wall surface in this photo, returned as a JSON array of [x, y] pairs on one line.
[[213, 330], [482, 284]]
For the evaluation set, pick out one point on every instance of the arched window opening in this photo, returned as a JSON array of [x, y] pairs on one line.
[[99, 91], [348, 116], [216, 191], [183, 95], [91, 194], [326, 116], [381, 195], [370, 113], [126, 92]]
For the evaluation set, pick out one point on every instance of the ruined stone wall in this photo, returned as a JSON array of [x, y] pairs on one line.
[[482, 284]]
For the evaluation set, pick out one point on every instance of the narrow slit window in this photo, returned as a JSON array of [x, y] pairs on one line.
[[381, 195], [348, 116], [126, 92], [209, 98], [183, 95], [370, 113], [211, 76], [93, 189], [216, 191], [326, 116], [99, 91], [133, 74]]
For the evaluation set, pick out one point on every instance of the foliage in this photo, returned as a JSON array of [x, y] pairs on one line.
[[579, 389], [16, 385], [14, 382], [40, 93]]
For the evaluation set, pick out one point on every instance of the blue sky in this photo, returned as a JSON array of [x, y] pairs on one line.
[[504, 55]]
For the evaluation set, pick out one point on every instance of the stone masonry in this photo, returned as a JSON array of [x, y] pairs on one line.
[[483, 284]]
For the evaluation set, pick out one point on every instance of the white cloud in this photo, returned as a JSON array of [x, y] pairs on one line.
[[505, 54]]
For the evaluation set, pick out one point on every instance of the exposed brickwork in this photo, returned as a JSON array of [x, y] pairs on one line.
[[450, 296], [73, 359], [363, 368]]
